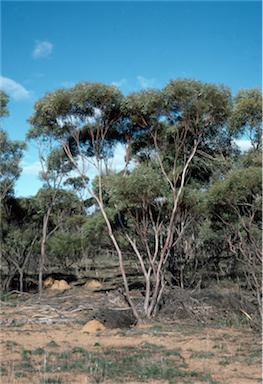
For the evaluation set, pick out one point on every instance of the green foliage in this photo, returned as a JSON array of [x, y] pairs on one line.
[[235, 204], [52, 106], [86, 111], [38, 351], [52, 380], [202, 355], [3, 371], [18, 242], [252, 158], [216, 223], [77, 183], [234, 207], [197, 104], [240, 190], [142, 108], [246, 117], [95, 229], [65, 247], [61, 200], [52, 344], [4, 98], [142, 187], [11, 153], [57, 165], [25, 353]]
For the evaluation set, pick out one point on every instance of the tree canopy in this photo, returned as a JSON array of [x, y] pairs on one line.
[[188, 204]]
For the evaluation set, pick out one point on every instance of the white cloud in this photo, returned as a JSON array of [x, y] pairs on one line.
[[32, 169], [146, 83], [14, 89], [42, 49], [120, 83]]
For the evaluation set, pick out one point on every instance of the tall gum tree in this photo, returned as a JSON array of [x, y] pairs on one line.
[[86, 121], [165, 126], [170, 125]]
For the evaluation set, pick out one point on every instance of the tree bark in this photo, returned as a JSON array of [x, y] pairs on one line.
[[43, 250]]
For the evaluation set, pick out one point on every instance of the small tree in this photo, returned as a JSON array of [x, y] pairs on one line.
[[20, 233], [55, 168], [17, 250]]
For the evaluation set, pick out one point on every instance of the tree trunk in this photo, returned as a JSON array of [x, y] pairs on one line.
[[119, 252], [21, 277], [43, 251], [8, 282]]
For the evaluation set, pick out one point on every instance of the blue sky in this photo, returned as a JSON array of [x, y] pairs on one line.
[[132, 44]]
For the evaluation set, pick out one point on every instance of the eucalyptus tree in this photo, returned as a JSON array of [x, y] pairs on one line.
[[53, 207], [55, 167], [164, 128], [171, 125], [84, 122], [214, 160]]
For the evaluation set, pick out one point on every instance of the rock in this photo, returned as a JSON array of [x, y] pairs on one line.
[[93, 326], [60, 285], [93, 285], [116, 318]]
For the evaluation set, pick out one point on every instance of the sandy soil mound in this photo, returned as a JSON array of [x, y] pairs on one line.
[[93, 326], [60, 284], [48, 282], [93, 285]]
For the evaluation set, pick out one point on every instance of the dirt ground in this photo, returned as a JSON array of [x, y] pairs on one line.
[[42, 342]]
